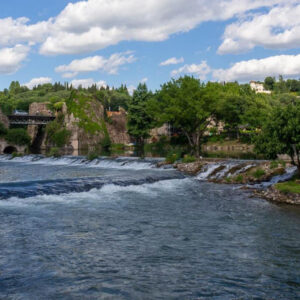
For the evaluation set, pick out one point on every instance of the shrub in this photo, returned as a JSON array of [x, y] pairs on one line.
[[54, 151], [188, 159], [106, 142], [18, 136], [3, 129], [93, 155], [258, 173], [172, 157], [61, 137], [274, 164], [238, 178], [16, 154]]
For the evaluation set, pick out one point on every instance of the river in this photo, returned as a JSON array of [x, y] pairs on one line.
[[123, 229]]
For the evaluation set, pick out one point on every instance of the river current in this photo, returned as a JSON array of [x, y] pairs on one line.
[[124, 229]]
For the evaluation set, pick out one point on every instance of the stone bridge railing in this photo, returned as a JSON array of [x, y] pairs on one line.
[[29, 120]]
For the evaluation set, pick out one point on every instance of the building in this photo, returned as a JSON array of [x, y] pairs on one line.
[[258, 87]]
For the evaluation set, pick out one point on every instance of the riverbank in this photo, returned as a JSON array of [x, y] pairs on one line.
[[263, 177]]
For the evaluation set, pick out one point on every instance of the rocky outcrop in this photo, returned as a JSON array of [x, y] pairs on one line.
[[116, 127], [40, 109], [273, 195], [83, 136], [4, 119]]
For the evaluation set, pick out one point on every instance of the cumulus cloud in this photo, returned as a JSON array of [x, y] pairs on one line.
[[112, 21], [258, 69], [12, 58], [172, 61], [85, 83], [277, 29], [14, 31], [110, 65], [37, 81], [144, 80], [201, 70]]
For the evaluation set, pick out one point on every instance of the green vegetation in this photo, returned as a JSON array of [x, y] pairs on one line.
[[139, 119], [288, 187], [188, 159], [54, 151], [258, 173], [239, 179], [196, 113], [280, 132], [18, 136], [56, 133]]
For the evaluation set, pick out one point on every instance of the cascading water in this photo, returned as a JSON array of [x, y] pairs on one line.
[[124, 229]]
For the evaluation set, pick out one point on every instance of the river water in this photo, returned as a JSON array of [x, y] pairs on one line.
[[123, 229]]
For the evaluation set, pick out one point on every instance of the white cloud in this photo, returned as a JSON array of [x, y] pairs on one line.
[[172, 61], [110, 65], [14, 31], [12, 58], [95, 24], [277, 29], [37, 81], [258, 69], [90, 25], [201, 70], [85, 83], [144, 80]]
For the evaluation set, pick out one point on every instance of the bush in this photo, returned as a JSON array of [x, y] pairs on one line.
[[18, 136], [3, 129], [106, 142], [238, 178], [91, 156], [274, 164], [172, 157], [189, 159], [16, 154], [61, 137], [54, 151], [258, 173]]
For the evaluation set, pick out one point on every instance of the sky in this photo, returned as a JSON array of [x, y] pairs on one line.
[[114, 42]]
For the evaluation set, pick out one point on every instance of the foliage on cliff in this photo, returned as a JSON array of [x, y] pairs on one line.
[[82, 106], [56, 132]]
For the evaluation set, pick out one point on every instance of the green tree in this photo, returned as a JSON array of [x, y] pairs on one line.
[[269, 83], [186, 105], [139, 120], [281, 133]]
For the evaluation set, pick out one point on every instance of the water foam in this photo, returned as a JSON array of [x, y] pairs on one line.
[[130, 163]]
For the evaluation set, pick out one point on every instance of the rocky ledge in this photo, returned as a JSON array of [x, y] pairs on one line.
[[273, 195]]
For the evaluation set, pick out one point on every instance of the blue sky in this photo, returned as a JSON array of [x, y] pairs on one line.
[[116, 41]]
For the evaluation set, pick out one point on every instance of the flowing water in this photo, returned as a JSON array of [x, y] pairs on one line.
[[124, 229]]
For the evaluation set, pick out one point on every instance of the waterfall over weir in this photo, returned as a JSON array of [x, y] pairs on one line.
[[231, 168], [101, 162]]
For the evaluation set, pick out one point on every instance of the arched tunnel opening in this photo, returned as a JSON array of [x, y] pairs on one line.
[[10, 150]]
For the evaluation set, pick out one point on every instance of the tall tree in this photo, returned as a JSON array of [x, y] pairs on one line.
[[281, 133], [139, 120], [184, 104]]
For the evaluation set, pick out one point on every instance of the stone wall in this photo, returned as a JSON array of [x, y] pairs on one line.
[[4, 144], [236, 148], [40, 109]]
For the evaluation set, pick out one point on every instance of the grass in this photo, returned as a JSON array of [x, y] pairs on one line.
[[258, 173], [288, 187]]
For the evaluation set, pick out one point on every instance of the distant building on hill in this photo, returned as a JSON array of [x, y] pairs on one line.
[[258, 87]]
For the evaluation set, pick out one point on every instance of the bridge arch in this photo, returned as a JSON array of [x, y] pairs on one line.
[[10, 150]]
